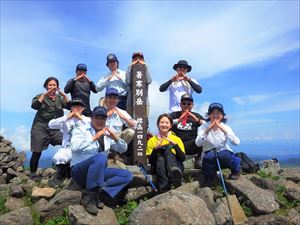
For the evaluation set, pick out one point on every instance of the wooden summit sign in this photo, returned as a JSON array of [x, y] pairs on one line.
[[139, 102]]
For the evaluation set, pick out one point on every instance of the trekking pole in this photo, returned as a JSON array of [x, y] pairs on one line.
[[140, 165], [223, 182]]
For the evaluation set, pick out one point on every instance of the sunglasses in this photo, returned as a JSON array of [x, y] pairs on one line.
[[186, 103], [184, 67]]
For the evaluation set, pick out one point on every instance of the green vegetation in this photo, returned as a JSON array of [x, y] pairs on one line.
[[263, 174], [3, 209], [124, 212], [247, 210], [60, 220], [284, 202]]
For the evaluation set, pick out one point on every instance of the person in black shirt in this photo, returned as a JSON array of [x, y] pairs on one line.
[[80, 87], [186, 125]]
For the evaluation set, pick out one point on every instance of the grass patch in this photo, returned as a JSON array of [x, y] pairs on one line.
[[247, 210], [269, 175], [124, 212], [60, 220], [3, 209]]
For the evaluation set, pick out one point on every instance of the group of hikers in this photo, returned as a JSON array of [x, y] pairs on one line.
[[89, 139]]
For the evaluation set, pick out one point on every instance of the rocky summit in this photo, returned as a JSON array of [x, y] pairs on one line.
[[269, 197]]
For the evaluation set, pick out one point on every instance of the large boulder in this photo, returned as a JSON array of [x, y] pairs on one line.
[[134, 194], [16, 191], [260, 200], [292, 190], [292, 174], [191, 188], [56, 205], [14, 203], [78, 216], [172, 208], [20, 216]]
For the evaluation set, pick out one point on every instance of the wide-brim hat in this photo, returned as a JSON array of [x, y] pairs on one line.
[[182, 63], [110, 58]]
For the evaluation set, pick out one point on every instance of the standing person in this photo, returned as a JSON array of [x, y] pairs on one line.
[[66, 125], [213, 136], [114, 79], [89, 167], [80, 87], [166, 154], [49, 105], [137, 58], [186, 124], [180, 84]]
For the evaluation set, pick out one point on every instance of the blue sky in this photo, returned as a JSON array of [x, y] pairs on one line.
[[245, 55]]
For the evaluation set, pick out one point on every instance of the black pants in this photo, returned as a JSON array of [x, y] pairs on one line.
[[34, 161], [191, 148], [165, 161]]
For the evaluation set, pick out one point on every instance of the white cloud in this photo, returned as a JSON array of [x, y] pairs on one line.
[[20, 138], [250, 99], [2, 131]]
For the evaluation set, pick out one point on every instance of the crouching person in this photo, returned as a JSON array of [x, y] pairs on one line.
[[166, 154], [213, 136], [66, 124], [89, 161]]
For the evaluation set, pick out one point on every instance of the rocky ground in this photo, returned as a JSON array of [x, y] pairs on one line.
[[268, 198]]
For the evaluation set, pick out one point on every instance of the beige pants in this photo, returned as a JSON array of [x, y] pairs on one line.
[[127, 135]]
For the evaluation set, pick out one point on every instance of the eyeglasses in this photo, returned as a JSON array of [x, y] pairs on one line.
[[186, 103]]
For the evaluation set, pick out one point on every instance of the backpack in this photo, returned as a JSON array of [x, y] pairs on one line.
[[248, 166]]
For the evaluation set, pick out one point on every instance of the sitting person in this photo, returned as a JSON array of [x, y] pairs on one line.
[[66, 124], [213, 136], [166, 154], [180, 84], [185, 126], [89, 161]]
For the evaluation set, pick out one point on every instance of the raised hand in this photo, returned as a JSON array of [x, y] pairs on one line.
[[70, 115], [175, 78], [79, 77], [159, 143], [86, 77], [110, 112], [109, 133], [183, 116], [194, 117]]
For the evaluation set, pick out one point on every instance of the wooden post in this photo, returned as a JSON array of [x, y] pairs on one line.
[[139, 100]]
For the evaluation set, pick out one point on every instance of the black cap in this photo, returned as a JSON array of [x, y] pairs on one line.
[[187, 97], [99, 111], [76, 101], [111, 91], [111, 57], [215, 105], [81, 66]]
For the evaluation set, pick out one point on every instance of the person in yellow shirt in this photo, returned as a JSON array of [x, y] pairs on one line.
[[166, 154]]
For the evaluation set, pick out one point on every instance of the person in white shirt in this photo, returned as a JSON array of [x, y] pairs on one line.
[[213, 136], [114, 79], [179, 85], [66, 124]]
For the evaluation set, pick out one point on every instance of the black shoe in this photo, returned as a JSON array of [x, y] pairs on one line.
[[89, 201], [234, 176], [176, 174], [36, 177], [56, 181], [210, 181]]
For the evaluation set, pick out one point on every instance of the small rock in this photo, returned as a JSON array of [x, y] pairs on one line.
[[270, 219], [139, 193], [270, 166], [16, 191], [14, 203], [1, 172], [191, 188], [27, 188], [294, 217], [42, 192], [22, 157], [78, 216], [40, 204], [292, 190], [48, 172], [3, 179], [20, 169], [20, 216], [292, 174]]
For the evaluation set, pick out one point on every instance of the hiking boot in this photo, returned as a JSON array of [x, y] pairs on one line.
[[89, 201], [36, 177], [210, 181], [176, 174], [59, 177], [234, 176]]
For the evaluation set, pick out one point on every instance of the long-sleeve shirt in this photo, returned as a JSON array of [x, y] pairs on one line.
[[216, 139], [48, 109], [114, 82], [66, 126], [129, 83], [177, 89], [115, 123], [83, 146], [81, 89]]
